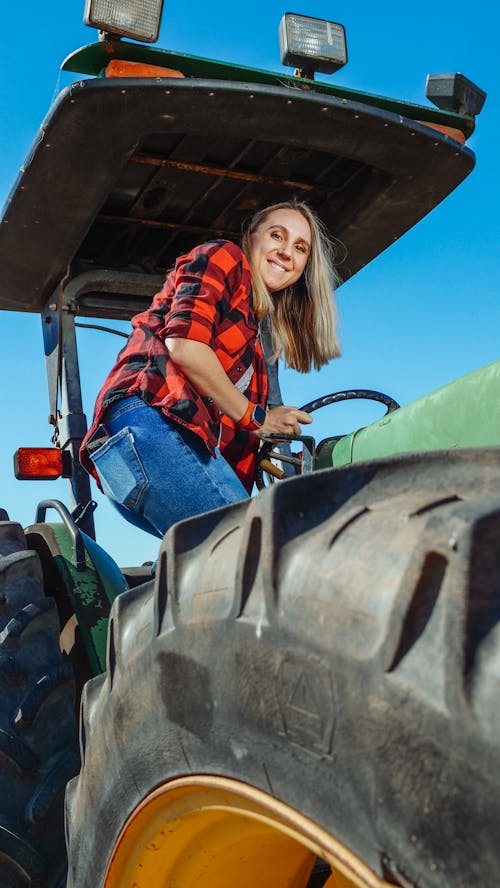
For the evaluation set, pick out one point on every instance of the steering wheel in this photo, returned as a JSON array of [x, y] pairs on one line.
[[266, 469]]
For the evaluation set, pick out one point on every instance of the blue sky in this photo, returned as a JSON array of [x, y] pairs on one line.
[[425, 312]]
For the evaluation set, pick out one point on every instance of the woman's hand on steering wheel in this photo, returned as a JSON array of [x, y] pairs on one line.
[[283, 421]]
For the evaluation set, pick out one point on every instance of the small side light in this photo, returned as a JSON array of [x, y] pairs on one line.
[[119, 68], [41, 464], [312, 44], [139, 19], [454, 92]]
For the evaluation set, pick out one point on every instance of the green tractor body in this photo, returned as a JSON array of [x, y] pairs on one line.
[[460, 414]]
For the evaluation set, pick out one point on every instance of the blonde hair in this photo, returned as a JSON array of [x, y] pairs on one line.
[[303, 316]]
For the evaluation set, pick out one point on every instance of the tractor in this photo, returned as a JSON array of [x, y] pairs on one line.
[[300, 691]]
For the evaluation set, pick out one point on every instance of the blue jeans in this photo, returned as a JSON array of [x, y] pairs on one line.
[[156, 472]]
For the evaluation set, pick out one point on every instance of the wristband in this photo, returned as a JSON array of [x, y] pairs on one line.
[[253, 418]]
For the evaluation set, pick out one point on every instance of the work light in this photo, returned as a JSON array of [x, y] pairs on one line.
[[454, 92], [311, 44], [139, 19]]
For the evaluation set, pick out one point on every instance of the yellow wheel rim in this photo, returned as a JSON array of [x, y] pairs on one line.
[[219, 833]]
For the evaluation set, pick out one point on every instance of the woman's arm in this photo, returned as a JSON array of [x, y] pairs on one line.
[[202, 367], [204, 370]]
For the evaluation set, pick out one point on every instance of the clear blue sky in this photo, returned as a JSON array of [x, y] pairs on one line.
[[425, 312]]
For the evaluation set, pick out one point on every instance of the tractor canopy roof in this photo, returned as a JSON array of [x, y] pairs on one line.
[[127, 173]]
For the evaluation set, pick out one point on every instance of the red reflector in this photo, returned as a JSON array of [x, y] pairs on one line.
[[37, 463]]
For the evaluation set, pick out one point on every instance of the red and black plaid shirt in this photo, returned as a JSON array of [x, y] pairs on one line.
[[207, 297]]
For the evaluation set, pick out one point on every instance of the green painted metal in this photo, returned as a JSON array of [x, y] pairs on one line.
[[92, 59], [110, 575], [90, 591], [464, 413]]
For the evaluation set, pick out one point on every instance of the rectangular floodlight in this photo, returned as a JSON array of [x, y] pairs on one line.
[[139, 19], [312, 44]]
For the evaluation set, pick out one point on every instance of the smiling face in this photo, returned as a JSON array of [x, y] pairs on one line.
[[280, 248]]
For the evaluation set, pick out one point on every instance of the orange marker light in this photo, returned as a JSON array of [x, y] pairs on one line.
[[38, 463], [446, 130], [119, 68]]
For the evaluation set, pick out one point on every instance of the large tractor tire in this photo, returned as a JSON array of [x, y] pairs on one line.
[[314, 674], [38, 736]]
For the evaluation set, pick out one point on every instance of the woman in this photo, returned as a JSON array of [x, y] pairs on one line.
[[177, 423]]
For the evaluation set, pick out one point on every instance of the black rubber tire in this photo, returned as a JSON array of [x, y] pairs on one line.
[[334, 641], [38, 735]]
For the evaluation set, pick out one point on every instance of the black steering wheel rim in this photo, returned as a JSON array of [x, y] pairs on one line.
[[352, 395]]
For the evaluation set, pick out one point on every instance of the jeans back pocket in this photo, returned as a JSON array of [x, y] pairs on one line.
[[120, 469]]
